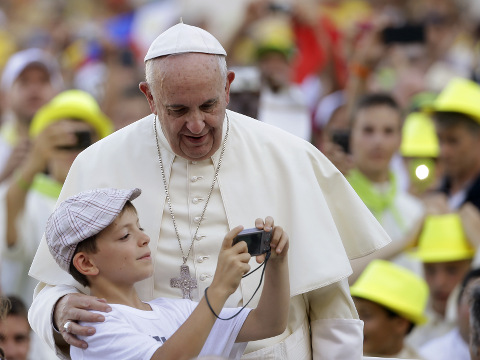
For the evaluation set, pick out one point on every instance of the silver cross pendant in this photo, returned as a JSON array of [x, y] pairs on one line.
[[185, 282]]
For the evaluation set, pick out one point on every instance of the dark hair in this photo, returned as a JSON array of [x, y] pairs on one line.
[[450, 119], [376, 99], [5, 306], [89, 246], [390, 313], [393, 314], [475, 320], [17, 307], [471, 275]]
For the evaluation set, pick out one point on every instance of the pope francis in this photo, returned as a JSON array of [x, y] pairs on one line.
[[204, 170]]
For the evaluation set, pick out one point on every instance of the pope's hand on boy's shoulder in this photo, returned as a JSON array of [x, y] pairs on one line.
[[74, 307]]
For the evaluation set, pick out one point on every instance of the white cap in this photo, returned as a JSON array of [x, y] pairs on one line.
[[82, 216], [23, 59], [182, 38]]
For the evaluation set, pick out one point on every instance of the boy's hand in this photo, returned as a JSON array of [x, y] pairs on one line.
[[279, 241], [232, 264]]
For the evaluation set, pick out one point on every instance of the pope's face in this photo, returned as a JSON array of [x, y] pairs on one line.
[[189, 95]]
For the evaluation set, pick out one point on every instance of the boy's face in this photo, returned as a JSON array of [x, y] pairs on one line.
[[459, 149], [382, 334], [123, 256], [15, 337], [442, 277]]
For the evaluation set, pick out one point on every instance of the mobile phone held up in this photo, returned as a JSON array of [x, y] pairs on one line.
[[258, 241], [342, 138], [405, 34], [84, 140]]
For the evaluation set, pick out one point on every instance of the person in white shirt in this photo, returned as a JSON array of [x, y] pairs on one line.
[[455, 343], [446, 255], [376, 134], [96, 236], [59, 131], [30, 79]]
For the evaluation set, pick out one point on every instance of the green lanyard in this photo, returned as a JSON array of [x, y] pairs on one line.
[[45, 185], [376, 201]]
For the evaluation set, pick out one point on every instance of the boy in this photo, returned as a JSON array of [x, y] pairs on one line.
[[96, 237], [446, 255], [15, 330], [391, 301]]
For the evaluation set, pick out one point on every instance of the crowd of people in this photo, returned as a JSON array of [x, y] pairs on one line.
[[364, 148]]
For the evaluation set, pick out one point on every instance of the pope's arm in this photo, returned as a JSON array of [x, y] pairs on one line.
[[40, 314], [337, 332]]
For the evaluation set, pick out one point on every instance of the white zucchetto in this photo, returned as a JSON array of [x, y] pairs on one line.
[[182, 38]]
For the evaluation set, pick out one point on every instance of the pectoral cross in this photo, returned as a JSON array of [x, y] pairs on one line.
[[184, 282]]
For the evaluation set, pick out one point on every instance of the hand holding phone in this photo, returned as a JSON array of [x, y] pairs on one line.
[[258, 241], [84, 140]]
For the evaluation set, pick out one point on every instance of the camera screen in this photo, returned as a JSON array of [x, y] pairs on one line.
[[253, 240]]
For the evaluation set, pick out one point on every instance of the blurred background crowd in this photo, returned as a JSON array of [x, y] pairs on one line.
[[386, 89]]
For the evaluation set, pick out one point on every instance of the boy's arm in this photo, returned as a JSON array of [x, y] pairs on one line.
[[271, 315], [189, 339], [40, 313]]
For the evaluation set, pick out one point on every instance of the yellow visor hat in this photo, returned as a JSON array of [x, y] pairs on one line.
[[418, 137], [395, 288], [72, 104], [443, 239], [461, 96]]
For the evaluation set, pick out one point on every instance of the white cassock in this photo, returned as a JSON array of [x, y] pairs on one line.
[[265, 171]]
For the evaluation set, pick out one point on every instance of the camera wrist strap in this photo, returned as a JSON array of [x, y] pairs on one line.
[[264, 264]]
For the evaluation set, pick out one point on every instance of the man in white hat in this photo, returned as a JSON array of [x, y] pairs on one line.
[[204, 168], [30, 79]]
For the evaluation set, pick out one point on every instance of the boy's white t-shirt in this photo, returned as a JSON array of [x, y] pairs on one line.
[[129, 333]]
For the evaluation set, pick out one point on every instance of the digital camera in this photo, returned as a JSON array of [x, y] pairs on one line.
[[258, 241]]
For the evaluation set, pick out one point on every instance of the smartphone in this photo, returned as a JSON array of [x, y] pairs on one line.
[[409, 33], [342, 138], [281, 8], [84, 140], [258, 241]]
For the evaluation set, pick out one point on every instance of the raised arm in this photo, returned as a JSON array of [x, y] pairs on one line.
[[271, 315], [188, 340]]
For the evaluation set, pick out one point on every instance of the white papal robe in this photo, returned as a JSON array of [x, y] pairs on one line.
[[265, 171]]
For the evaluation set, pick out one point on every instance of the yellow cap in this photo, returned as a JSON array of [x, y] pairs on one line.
[[418, 137], [442, 239], [275, 34], [460, 95], [72, 104], [395, 288]]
